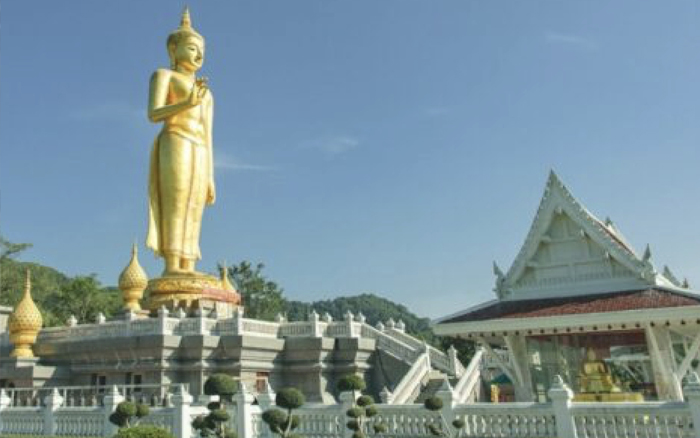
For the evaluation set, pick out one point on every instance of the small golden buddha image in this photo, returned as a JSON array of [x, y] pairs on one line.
[[596, 377], [181, 180]]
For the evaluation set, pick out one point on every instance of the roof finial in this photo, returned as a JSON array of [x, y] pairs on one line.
[[186, 21], [647, 254], [28, 283]]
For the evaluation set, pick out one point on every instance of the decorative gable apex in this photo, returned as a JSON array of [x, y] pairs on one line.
[[568, 251]]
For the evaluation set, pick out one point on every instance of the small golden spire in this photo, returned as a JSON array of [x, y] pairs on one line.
[[25, 323], [133, 281], [225, 282], [186, 21]]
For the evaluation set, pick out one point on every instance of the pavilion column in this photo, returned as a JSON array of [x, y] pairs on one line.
[[520, 363], [668, 386]]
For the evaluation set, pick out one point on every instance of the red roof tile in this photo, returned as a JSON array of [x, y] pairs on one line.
[[598, 303]]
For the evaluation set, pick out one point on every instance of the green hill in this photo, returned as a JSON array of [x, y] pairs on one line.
[[374, 308]]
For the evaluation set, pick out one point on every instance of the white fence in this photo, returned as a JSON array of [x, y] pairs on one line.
[[558, 419]]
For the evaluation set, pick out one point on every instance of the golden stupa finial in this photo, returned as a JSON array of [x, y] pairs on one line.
[[133, 281], [186, 21], [25, 323], [225, 281], [28, 284]]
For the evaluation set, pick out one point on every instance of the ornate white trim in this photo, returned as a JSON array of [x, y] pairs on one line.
[[557, 199]]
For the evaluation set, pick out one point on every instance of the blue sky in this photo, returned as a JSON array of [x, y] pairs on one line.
[[394, 147]]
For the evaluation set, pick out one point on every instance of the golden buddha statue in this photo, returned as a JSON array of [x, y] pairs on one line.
[[181, 183], [597, 383], [181, 178], [596, 377]]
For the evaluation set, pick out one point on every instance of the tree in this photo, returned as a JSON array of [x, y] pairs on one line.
[[439, 427], [10, 250], [465, 348], [83, 297], [362, 408], [214, 423], [262, 298], [280, 422]]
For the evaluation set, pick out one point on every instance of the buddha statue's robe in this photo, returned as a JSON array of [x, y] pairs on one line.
[[181, 175]]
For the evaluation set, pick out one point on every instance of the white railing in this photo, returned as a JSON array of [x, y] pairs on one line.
[[163, 418], [87, 396], [468, 385], [439, 359], [296, 329], [321, 421], [484, 420], [560, 418], [672, 420], [22, 421], [260, 328], [79, 422], [410, 384], [405, 420]]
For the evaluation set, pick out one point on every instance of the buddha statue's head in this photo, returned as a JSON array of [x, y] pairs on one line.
[[186, 46]]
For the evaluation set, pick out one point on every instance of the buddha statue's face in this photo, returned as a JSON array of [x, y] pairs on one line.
[[188, 53]]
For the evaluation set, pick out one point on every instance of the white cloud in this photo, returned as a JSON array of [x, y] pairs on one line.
[[334, 145], [225, 162], [571, 40]]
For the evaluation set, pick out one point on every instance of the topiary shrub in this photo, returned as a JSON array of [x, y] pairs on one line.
[[351, 382], [362, 408], [290, 398], [214, 423], [439, 426], [125, 413], [222, 385], [143, 431], [284, 423]]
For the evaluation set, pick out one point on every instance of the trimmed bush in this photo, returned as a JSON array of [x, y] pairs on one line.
[[280, 422], [380, 428], [351, 382], [274, 416], [290, 398], [125, 411], [220, 384], [365, 400], [295, 422], [354, 412], [353, 425], [435, 429], [433, 404], [371, 411], [142, 410], [458, 423], [144, 431]]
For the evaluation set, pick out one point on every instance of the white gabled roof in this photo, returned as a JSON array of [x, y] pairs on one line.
[[568, 251]]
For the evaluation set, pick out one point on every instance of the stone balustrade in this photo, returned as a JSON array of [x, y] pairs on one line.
[[393, 340], [560, 418]]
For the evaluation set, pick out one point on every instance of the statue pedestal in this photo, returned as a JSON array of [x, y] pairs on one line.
[[192, 291], [609, 397]]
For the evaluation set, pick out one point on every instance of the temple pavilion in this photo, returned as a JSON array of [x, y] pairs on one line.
[[580, 302]]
